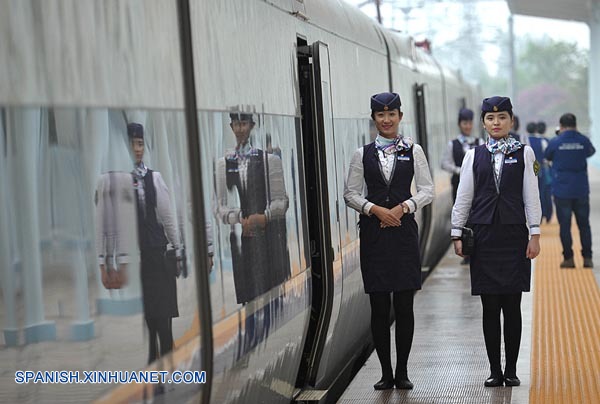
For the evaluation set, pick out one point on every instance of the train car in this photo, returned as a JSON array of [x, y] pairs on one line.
[[251, 110]]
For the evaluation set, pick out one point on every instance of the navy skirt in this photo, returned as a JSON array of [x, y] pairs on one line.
[[389, 258], [499, 265]]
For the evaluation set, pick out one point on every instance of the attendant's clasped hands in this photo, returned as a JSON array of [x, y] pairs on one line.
[[388, 217]]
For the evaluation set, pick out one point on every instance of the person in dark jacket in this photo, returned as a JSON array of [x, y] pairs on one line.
[[539, 143], [157, 227], [498, 195], [378, 186], [568, 153]]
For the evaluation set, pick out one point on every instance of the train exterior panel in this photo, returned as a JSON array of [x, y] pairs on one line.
[[294, 317]]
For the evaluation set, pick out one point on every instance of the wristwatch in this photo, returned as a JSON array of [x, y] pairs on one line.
[[405, 209]]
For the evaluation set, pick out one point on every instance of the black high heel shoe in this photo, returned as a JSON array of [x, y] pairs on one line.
[[511, 381], [494, 381], [384, 384], [403, 383]]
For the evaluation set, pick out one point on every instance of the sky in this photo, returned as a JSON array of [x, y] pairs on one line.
[[446, 18]]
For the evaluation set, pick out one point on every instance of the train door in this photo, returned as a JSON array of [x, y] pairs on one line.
[[322, 204], [421, 120]]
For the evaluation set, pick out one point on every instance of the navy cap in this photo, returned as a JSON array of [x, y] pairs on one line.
[[465, 114], [496, 104], [135, 130], [240, 116], [531, 127], [385, 102]]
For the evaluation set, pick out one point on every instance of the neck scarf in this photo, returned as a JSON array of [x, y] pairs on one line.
[[466, 139], [505, 145], [243, 151], [390, 146], [139, 172]]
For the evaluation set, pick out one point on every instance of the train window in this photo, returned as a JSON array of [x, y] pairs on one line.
[[253, 191], [94, 211]]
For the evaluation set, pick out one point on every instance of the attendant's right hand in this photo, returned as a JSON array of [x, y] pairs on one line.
[[458, 248], [104, 277], [386, 216]]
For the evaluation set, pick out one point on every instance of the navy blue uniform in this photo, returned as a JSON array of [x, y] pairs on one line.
[[538, 144], [570, 187], [389, 257], [499, 264]]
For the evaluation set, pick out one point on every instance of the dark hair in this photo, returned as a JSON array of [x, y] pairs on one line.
[[373, 112], [531, 127], [541, 127], [516, 123], [487, 112], [568, 120]]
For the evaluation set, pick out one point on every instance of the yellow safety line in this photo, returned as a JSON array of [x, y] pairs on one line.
[[565, 355]]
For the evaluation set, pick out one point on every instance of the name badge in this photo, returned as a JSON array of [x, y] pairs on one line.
[[403, 158], [510, 160]]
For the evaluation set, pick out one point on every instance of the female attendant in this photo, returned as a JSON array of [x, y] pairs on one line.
[[498, 195], [379, 188]]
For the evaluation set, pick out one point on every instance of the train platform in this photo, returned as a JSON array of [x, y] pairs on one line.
[[559, 360]]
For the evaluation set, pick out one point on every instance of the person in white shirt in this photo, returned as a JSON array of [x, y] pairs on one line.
[[498, 195], [378, 186], [457, 148]]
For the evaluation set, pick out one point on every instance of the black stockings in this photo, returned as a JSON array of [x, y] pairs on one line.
[[511, 308], [159, 329], [380, 327]]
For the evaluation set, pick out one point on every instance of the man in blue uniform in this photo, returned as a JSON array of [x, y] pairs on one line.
[[539, 143], [568, 153]]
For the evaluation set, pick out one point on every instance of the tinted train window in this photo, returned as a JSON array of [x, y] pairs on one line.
[[252, 188], [84, 231]]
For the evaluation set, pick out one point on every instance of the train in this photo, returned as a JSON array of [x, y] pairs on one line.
[[282, 320]]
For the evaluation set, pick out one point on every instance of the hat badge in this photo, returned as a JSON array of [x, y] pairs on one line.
[[495, 108], [385, 108]]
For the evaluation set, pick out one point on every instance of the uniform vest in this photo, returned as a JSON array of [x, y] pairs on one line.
[[253, 199], [508, 199], [151, 233], [395, 190]]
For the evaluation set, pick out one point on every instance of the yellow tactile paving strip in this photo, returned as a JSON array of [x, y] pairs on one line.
[[565, 355]]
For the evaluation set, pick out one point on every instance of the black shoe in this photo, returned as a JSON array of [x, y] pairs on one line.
[[384, 384], [568, 263], [403, 384], [494, 381], [588, 263], [511, 381]]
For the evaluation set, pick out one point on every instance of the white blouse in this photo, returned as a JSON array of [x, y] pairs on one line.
[[466, 191], [355, 187]]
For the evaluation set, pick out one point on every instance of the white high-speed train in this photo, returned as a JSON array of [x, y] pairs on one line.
[[287, 324]]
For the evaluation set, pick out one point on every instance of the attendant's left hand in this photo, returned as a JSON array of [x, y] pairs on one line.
[[396, 211], [533, 247]]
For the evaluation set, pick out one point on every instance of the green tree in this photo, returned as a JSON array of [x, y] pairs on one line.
[[552, 78]]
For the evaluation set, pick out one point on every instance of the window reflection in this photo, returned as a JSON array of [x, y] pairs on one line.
[[252, 200], [93, 226]]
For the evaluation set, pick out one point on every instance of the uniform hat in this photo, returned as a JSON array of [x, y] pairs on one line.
[[240, 116], [465, 114], [135, 130], [385, 102], [496, 104]]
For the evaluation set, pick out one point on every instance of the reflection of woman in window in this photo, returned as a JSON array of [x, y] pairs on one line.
[[260, 256], [156, 227]]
